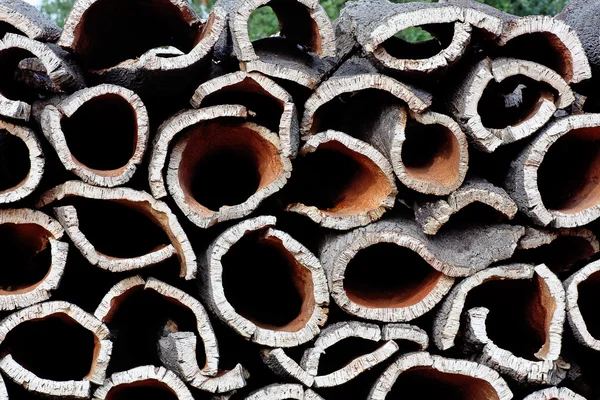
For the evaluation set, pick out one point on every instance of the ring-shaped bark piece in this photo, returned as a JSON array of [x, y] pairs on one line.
[[576, 319], [283, 391], [554, 393]]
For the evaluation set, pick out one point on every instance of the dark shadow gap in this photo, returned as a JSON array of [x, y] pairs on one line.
[[14, 161], [589, 298], [342, 353], [10, 87], [419, 42], [148, 389]]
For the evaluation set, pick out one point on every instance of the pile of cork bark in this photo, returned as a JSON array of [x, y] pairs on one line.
[[333, 212]]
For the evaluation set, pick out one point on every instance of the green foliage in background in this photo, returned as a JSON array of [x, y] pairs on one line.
[[263, 22]]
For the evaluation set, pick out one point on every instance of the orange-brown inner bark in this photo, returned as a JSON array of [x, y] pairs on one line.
[[146, 389]]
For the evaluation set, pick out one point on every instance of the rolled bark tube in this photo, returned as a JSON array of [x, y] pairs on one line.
[[143, 382], [27, 238], [431, 376], [19, 17], [582, 289], [554, 393], [60, 71], [293, 309], [124, 203], [223, 170], [306, 36], [355, 193], [22, 162], [100, 133], [414, 271], [273, 105], [66, 314], [506, 344], [433, 215], [527, 93], [283, 391], [554, 180]]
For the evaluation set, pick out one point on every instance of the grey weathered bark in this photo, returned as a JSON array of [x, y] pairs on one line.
[[71, 313], [555, 179], [587, 277], [304, 271], [17, 16], [127, 112], [157, 211]]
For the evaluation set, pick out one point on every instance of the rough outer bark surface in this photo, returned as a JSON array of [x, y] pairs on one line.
[[63, 73], [42, 290], [37, 164], [554, 393], [285, 367], [499, 388], [52, 128], [148, 375], [522, 179], [433, 215], [174, 126], [386, 191], [411, 333], [71, 389], [465, 99], [289, 135], [283, 391], [156, 210], [203, 216], [29, 20], [576, 321], [212, 287]]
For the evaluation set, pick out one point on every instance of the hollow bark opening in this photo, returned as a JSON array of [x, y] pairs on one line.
[[102, 133], [431, 153], [146, 389], [570, 172], [5, 28], [428, 383], [386, 275], [10, 87], [14, 161], [476, 213], [520, 311], [274, 291], [511, 101], [339, 181], [136, 26], [55, 348], [223, 165], [589, 298], [419, 42], [117, 229], [26, 257]]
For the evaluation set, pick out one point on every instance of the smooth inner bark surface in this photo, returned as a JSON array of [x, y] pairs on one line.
[[589, 298], [10, 87], [569, 177], [102, 134], [14, 161], [420, 42], [148, 389], [386, 275], [266, 285]]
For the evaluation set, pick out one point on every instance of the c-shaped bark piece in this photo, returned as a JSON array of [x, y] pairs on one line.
[[585, 280], [283, 391], [20, 17], [554, 393]]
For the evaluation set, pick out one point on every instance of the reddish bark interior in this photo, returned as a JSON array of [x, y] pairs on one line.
[[146, 389]]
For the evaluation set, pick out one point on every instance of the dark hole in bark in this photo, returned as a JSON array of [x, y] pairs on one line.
[[102, 134], [118, 230], [511, 102], [55, 348], [5, 28], [140, 320], [476, 213], [427, 383], [569, 177], [11, 87], [386, 275], [416, 43], [518, 313], [148, 389], [26, 256], [589, 298], [342, 353], [14, 161], [136, 27], [266, 285]]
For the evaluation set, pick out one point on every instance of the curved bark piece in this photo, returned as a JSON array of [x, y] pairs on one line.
[[548, 41], [116, 295], [554, 180], [306, 37], [283, 391], [21, 182], [69, 312], [357, 192], [302, 314], [580, 304], [124, 385], [528, 94], [434, 376], [554, 393], [221, 171], [107, 128], [172, 127], [30, 231], [411, 333], [336, 333], [273, 105], [432, 216], [17, 16], [157, 211], [398, 292], [284, 366], [60, 73]]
